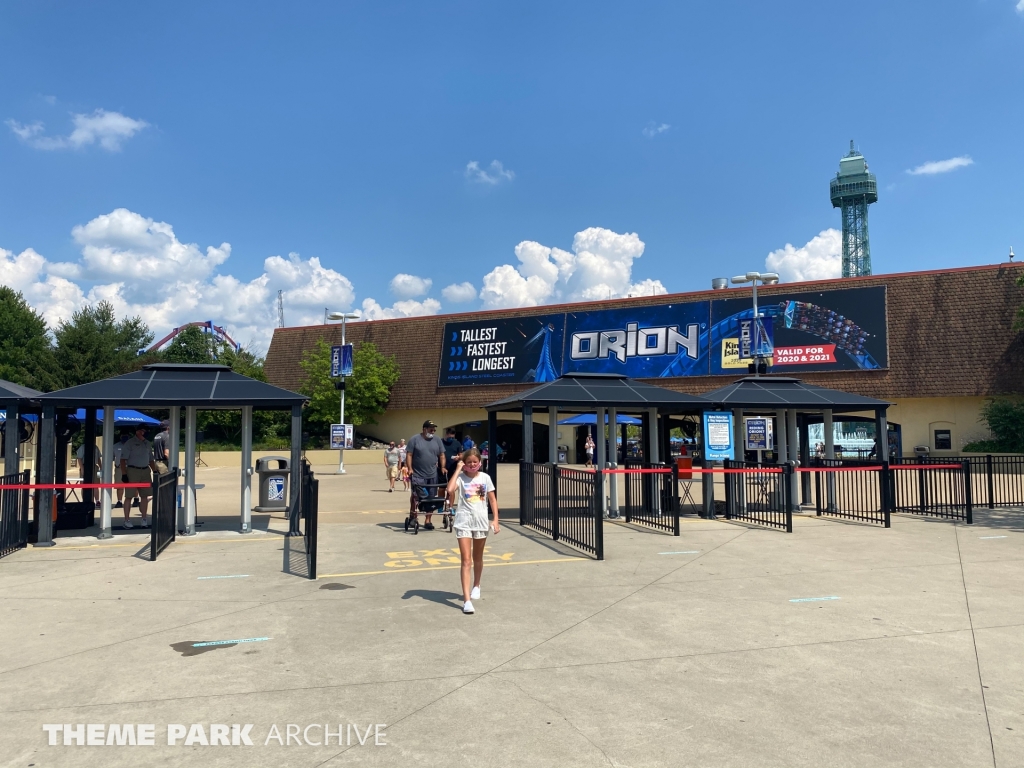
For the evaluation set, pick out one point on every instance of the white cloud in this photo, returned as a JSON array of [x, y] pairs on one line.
[[459, 293], [942, 166], [653, 129], [599, 267], [140, 267], [108, 129], [494, 174], [819, 259], [1020, 6], [409, 286], [374, 311]]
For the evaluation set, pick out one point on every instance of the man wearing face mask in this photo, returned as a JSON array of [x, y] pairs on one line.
[[425, 459]]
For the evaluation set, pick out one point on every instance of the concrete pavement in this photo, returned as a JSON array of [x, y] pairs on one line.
[[712, 649]]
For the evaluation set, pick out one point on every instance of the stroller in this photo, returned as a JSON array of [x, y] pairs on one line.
[[432, 505]]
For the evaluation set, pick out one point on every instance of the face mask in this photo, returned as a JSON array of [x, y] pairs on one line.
[[429, 435]]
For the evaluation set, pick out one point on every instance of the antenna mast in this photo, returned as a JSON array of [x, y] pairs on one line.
[[280, 309]]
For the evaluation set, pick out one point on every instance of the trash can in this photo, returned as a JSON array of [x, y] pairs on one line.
[[273, 483]]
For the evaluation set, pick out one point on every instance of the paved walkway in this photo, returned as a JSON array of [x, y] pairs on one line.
[[838, 645]]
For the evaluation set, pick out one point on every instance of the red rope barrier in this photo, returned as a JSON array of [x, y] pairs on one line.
[[61, 486], [694, 470]]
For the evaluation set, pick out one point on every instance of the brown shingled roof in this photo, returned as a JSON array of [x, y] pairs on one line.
[[950, 335]]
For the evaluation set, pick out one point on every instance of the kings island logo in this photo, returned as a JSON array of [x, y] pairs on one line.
[[634, 341]]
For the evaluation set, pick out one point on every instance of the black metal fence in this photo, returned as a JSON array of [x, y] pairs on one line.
[[309, 505], [759, 495], [852, 490], [996, 480], [165, 512], [14, 513], [652, 495], [933, 486], [564, 504]]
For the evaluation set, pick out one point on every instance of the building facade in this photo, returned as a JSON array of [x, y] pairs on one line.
[[937, 345]]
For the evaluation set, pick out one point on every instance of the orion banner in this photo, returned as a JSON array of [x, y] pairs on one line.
[[836, 330]]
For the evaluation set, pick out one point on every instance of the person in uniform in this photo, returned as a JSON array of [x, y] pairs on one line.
[[137, 466], [161, 447]]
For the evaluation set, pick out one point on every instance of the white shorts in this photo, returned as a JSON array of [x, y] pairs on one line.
[[465, 533]]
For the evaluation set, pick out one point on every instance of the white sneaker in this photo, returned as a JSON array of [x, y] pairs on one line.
[[145, 523], [475, 594], [468, 607], [128, 524]]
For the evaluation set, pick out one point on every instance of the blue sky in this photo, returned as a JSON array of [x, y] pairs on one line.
[[344, 132]]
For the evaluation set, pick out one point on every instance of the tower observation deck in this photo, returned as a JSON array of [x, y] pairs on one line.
[[853, 190]]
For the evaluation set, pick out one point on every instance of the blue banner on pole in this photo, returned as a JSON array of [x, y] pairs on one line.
[[718, 435], [341, 360]]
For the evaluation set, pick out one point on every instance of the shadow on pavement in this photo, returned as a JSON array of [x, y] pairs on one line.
[[435, 596]]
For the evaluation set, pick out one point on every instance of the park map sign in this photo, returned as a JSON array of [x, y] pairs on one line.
[[836, 330]]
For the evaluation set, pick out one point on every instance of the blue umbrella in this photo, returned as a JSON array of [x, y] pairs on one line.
[[591, 418], [122, 418]]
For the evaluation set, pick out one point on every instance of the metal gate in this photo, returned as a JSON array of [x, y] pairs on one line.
[[563, 503], [14, 513], [165, 513], [309, 504], [652, 495], [851, 490], [759, 495], [934, 487]]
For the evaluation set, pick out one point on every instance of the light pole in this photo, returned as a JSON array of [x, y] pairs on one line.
[[765, 278], [341, 451]]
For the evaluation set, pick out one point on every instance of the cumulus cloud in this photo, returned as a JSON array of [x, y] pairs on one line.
[[373, 311], [653, 129], [821, 258], [599, 266], [1020, 6], [108, 129], [459, 293], [942, 166], [409, 286], [141, 268], [492, 175]]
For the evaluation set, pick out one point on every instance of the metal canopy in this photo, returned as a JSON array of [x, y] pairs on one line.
[[175, 384], [11, 392], [583, 392], [774, 392]]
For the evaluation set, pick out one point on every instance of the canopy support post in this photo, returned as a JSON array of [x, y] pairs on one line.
[[295, 478], [613, 479], [781, 445], [805, 459], [88, 471], [830, 453], [492, 447], [12, 427], [246, 526], [44, 475], [791, 437], [553, 434], [190, 471], [602, 445], [881, 434], [107, 476], [528, 434]]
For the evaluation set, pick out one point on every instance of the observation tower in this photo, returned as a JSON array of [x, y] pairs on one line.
[[853, 190]]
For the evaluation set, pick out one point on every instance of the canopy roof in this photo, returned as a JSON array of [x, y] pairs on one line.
[[11, 392], [168, 384], [784, 392], [583, 392]]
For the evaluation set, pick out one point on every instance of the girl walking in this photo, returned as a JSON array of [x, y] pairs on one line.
[[474, 491]]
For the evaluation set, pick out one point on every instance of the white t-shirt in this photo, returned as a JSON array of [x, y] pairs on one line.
[[471, 512]]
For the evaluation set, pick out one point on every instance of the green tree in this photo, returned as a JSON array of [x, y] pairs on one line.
[[26, 356], [191, 345], [367, 389], [1005, 419], [95, 345]]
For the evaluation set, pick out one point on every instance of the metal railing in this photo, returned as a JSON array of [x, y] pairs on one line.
[[996, 480], [14, 513], [759, 495], [652, 495], [309, 505], [564, 504], [851, 490], [918, 487], [165, 512]]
